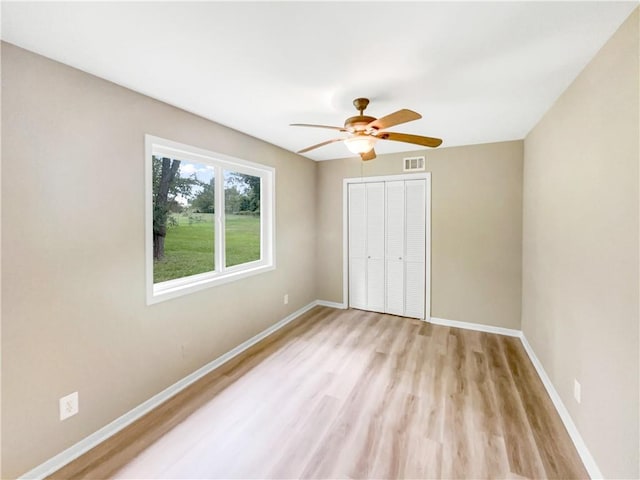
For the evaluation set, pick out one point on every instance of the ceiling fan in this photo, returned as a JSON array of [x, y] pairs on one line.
[[365, 131]]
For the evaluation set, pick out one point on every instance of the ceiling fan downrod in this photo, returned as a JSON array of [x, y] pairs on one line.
[[361, 104]]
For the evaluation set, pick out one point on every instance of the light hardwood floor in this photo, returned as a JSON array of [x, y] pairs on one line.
[[352, 394]]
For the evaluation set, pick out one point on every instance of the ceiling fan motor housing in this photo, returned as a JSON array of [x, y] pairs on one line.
[[358, 123]]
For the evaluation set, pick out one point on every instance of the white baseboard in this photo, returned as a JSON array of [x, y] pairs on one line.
[[587, 459], [86, 444], [476, 326], [55, 463], [325, 303]]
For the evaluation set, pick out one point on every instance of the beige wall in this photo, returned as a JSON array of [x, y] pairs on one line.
[[73, 299], [73, 314], [476, 228], [580, 246]]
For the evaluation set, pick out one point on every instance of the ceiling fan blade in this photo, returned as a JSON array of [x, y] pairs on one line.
[[320, 145], [395, 118], [370, 155], [341, 129], [408, 138]]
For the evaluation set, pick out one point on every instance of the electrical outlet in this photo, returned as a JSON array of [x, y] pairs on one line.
[[286, 298], [69, 406], [577, 391]]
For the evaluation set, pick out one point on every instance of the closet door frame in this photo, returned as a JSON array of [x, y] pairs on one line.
[[345, 232]]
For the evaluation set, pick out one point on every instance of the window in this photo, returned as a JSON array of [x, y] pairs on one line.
[[209, 218]]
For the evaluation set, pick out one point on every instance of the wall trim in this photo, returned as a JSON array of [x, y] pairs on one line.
[[585, 455], [325, 303], [476, 326], [67, 456]]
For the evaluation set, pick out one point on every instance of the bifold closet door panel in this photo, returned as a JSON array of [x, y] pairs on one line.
[[375, 220], [375, 285], [358, 283], [375, 228], [415, 290], [415, 245], [357, 246], [415, 214], [394, 295]]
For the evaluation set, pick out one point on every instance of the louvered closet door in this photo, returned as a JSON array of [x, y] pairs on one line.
[[357, 246], [395, 248], [415, 246], [375, 246], [387, 240]]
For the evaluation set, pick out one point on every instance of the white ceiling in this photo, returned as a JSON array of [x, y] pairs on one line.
[[478, 72]]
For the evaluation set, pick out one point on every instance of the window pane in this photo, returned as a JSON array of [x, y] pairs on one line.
[[242, 218], [183, 225]]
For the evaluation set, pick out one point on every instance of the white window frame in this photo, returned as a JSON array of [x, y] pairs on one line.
[[181, 286]]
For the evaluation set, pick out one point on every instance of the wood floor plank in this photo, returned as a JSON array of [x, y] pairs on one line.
[[352, 394], [559, 458], [522, 453]]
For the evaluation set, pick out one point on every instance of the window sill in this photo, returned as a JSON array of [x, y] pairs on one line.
[[168, 290]]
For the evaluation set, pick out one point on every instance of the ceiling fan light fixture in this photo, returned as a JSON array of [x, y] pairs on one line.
[[360, 144], [364, 131]]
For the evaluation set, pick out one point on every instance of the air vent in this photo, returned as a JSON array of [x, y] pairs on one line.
[[413, 164]]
